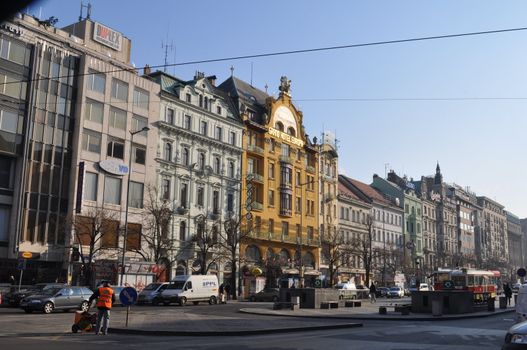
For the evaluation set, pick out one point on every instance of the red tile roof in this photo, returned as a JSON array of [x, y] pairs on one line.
[[369, 191], [343, 190]]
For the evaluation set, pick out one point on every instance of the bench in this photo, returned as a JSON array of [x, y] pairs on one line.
[[329, 305], [283, 305], [404, 309], [352, 303]]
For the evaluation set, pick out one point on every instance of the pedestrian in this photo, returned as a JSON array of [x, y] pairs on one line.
[[373, 291], [12, 280], [221, 292], [228, 291], [508, 293], [105, 299]]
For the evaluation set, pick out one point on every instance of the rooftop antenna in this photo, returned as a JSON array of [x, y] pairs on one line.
[[168, 48], [251, 74], [266, 87], [232, 71], [386, 166], [88, 10]]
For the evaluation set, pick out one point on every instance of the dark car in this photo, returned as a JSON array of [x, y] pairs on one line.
[[267, 294], [14, 297], [58, 298], [151, 294], [516, 337], [381, 292]]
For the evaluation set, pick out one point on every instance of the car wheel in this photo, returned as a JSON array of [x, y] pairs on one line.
[[182, 301], [195, 302], [74, 328], [28, 311], [48, 308], [84, 306], [156, 302], [275, 299], [213, 300], [252, 298]]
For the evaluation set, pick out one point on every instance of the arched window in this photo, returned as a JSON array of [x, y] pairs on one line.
[[185, 156], [279, 126], [308, 260], [201, 160], [291, 131], [168, 152], [252, 253], [231, 169], [284, 257], [182, 230]]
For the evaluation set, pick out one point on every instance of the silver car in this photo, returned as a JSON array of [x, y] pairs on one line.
[[58, 298], [152, 294]]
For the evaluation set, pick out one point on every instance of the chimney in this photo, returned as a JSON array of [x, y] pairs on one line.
[[147, 70], [212, 80]]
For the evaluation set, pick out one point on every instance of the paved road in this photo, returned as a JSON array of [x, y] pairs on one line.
[[38, 331]]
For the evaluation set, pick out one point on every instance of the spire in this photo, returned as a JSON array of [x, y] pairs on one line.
[[438, 179]]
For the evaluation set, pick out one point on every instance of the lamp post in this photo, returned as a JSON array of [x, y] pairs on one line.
[[300, 260], [132, 133]]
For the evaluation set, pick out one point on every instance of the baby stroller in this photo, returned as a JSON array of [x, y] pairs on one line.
[[84, 321]]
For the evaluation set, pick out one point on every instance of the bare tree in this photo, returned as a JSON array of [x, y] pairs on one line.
[[206, 239], [335, 250], [361, 246], [229, 244], [95, 230]]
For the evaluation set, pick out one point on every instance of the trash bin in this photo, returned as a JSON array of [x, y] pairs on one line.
[[437, 308], [503, 302], [490, 304]]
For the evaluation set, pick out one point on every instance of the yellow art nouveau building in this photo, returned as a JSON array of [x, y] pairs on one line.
[[279, 197]]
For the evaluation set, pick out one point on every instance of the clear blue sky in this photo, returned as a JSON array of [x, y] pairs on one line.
[[478, 143]]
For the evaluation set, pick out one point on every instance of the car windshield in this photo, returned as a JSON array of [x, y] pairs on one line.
[[51, 291], [152, 286], [395, 289], [176, 285]]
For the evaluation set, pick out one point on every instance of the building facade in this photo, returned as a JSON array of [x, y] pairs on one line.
[[515, 243], [494, 238], [280, 194], [198, 168]]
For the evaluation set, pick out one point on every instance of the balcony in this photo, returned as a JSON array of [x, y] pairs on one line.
[[286, 212], [310, 169], [286, 159], [257, 206], [256, 177], [255, 149]]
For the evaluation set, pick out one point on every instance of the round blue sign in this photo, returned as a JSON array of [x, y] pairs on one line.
[[521, 272], [128, 296]]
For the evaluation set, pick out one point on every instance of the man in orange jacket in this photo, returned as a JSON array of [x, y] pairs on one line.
[[105, 299]]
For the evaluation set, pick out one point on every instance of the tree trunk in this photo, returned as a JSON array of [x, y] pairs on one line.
[[233, 280]]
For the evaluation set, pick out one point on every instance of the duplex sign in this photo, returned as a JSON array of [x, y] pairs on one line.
[[114, 166], [107, 36]]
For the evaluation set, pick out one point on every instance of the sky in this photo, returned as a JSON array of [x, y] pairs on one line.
[[459, 101]]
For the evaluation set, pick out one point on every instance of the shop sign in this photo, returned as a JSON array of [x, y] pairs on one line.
[[286, 137], [113, 166], [107, 36]]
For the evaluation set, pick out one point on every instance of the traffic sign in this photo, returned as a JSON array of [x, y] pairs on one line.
[[21, 264], [128, 296], [521, 272], [318, 283], [448, 284]]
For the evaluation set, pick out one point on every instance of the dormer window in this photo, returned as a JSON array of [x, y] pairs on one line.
[[279, 126], [291, 131], [188, 98]]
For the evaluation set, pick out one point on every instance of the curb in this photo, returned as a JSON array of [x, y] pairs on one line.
[[230, 333], [379, 318]]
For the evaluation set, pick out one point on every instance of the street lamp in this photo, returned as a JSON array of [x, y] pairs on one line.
[[132, 133], [300, 262]]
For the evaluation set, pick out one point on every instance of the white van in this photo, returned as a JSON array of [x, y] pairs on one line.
[[194, 288]]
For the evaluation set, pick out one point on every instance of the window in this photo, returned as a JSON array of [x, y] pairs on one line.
[[136, 194], [91, 141], [201, 100], [271, 225], [216, 202], [141, 98], [298, 205], [188, 122], [231, 169], [94, 111], [8, 121], [285, 150], [169, 116], [271, 170], [298, 179], [115, 148], [139, 123], [310, 233], [217, 165], [203, 128], [218, 110], [90, 186], [6, 172], [133, 240], [188, 98], [285, 228], [167, 155], [117, 118], [186, 156], [200, 195], [271, 198], [206, 103], [182, 230], [201, 161], [183, 194], [230, 202], [119, 90], [139, 154], [96, 81], [232, 138], [13, 87], [112, 190], [165, 189], [218, 133], [14, 51]]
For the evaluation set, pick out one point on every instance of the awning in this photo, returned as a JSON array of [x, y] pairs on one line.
[[312, 272]]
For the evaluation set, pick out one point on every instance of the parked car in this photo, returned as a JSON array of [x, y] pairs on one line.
[[381, 292], [266, 294], [58, 298], [516, 337], [152, 294], [395, 292], [14, 297], [346, 290], [423, 287]]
